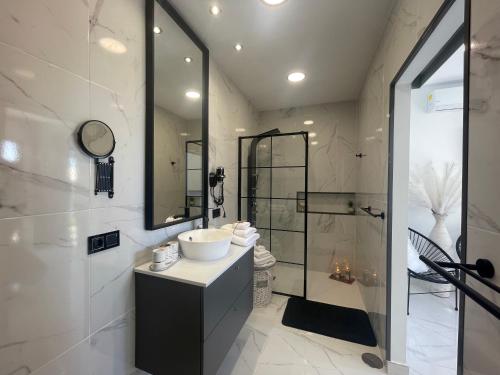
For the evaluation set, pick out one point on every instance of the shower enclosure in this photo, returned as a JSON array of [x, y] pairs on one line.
[[272, 196]]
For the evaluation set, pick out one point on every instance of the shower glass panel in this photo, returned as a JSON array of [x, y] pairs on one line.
[[272, 194]]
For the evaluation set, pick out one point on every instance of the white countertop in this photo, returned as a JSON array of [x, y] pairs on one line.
[[196, 272]]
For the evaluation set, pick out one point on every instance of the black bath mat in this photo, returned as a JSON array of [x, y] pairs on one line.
[[338, 322]]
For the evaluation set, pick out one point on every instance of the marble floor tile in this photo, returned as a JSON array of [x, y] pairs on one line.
[[432, 335], [264, 347]]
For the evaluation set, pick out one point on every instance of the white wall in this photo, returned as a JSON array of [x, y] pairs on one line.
[[407, 22], [332, 168], [62, 311], [434, 137]]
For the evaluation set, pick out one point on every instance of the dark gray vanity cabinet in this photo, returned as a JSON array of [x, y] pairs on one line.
[[183, 329]]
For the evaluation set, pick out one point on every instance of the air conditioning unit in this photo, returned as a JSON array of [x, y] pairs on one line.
[[446, 99]]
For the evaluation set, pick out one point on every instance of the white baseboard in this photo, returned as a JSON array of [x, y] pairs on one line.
[[394, 368]]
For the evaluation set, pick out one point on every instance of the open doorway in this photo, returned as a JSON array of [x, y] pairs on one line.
[[434, 209]]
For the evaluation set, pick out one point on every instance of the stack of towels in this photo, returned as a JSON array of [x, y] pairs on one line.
[[262, 257], [243, 233]]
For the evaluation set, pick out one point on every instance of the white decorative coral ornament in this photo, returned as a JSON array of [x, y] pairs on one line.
[[438, 188]]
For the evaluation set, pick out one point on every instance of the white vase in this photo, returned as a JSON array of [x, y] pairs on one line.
[[439, 234]]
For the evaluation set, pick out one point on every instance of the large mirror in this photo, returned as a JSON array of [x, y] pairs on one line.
[[176, 123]]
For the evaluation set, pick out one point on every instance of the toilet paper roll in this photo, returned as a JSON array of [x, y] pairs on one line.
[[174, 246], [160, 255]]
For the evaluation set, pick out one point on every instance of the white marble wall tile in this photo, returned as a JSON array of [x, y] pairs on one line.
[[36, 177], [228, 110], [75, 361], [332, 165], [44, 288], [112, 348], [331, 239], [123, 21], [332, 168], [117, 93], [407, 20], [124, 115], [53, 30], [481, 329], [112, 276]]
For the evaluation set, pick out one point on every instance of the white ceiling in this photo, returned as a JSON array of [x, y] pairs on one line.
[[332, 41], [452, 71]]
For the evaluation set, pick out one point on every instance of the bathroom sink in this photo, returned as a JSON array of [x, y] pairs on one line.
[[205, 244]]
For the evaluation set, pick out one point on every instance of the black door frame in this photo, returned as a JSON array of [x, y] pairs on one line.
[[440, 14]]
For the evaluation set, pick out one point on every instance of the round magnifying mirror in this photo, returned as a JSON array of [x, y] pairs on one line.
[[96, 139]]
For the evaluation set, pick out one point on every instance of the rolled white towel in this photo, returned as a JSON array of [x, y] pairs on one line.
[[245, 232], [241, 241], [263, 260], [241, 225], [261, 254], [239, 232], [260, 248], [267, 264]]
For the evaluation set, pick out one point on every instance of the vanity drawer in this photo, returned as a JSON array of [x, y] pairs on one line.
[[220, 296], [218, 344]]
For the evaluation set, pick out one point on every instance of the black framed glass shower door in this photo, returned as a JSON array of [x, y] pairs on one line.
[[272, 196]]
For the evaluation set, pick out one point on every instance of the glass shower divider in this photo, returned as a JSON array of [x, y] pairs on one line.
[[272, 196]]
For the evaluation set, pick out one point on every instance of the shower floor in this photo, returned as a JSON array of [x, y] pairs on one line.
[[320, 288]]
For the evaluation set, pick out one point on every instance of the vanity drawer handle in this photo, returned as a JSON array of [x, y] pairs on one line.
[[237, 268]]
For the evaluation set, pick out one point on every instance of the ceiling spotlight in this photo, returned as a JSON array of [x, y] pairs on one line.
[[296, 77], [157, 30], [273, 2], [240, 130], [113, 45], [308, 122], [188, 59], [314, 143], [238, 47], [312, 135], [191, 94], [214, 10], [184, 134]]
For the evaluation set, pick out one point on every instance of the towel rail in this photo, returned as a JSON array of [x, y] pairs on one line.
[[369, 211], [482, 266]]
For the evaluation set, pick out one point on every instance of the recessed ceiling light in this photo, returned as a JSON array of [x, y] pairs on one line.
[[296, 77], [157, 30], [238, 47], [273, 2], [312, 135], [113, 45], [240, 130], [188, 59], [192, 94], [314, 143], [184, 134], [214, 10], [308, 122]]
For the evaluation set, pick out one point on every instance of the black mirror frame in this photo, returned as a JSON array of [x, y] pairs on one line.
[[149, 150]]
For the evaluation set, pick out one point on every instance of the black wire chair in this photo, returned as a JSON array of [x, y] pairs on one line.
[[432, 251]]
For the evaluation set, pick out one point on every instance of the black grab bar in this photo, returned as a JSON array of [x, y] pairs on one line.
[[489, 306], [368, 210]]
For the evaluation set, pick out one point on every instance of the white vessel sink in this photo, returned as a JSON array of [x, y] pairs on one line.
[[205, 244]]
